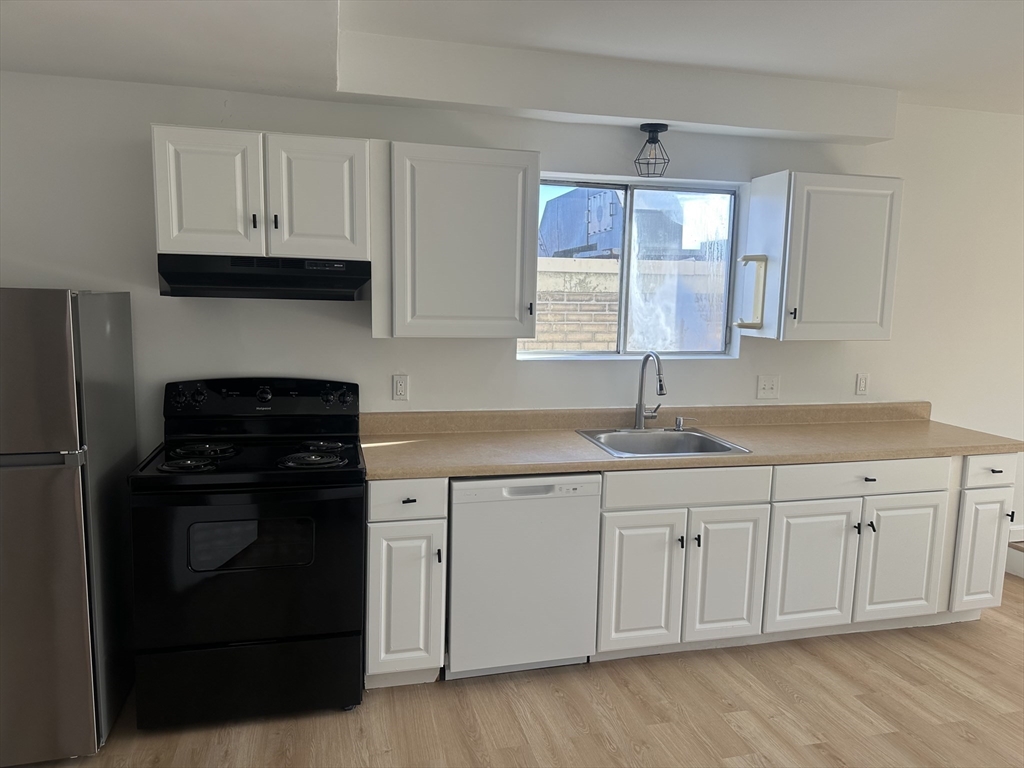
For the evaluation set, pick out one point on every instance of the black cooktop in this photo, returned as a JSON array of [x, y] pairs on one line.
[[256, 432]]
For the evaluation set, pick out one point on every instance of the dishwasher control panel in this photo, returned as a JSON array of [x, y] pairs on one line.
[[525, 488]]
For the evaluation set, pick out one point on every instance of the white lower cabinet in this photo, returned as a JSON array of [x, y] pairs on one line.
[[405, 596], [812, 564], [725, 571], [899, 565], [983, 535], [641, 578]]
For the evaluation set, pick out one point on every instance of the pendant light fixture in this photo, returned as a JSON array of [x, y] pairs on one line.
[[652, 159]]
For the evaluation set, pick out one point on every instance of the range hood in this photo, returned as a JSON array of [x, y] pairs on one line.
[[261, 277]]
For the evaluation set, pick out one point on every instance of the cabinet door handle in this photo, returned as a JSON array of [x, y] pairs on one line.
[[1011, 515], [792, 313], [529, 307], [408, 501], [439, 555], [697, 539], [857, 528], [275, 221], [254, 221], [871, 525], [870, 479], [996, 471], [682, 541]]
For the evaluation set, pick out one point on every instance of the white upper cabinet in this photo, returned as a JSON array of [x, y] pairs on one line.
[[317, 193], [900, 558], [464, 241], [981, 548], [830, 243], [209, 191], [725, 567], [812, 564], [640, 603]]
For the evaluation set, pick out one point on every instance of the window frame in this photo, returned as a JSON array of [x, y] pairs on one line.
[[737, 192]]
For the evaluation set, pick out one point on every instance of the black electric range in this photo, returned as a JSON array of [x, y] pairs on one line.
[[248, 536]]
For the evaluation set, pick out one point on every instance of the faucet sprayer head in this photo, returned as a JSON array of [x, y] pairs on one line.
[[662, 389]]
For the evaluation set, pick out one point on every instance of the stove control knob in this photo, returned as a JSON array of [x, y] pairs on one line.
[[199, 396], [178, 397], [347, 397], [263, 394], [327, 396]]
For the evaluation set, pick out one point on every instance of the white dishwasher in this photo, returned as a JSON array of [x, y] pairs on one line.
[[523, 572]]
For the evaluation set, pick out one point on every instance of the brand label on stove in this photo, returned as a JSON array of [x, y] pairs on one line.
[[262, 407]]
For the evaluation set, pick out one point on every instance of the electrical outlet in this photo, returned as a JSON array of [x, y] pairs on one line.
[[768, 387], [862, 384], [400, 386]]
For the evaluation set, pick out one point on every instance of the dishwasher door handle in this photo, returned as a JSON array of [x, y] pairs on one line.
[[527, 491]]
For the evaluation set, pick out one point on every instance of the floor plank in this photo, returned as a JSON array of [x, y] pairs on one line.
[[948, 695]]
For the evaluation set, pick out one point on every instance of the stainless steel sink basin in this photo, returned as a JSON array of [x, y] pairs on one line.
[[630, 443]]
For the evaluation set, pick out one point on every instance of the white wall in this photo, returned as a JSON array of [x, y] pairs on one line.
[[76, 210]]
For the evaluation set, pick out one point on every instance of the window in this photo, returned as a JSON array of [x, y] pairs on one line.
[[626, 269]]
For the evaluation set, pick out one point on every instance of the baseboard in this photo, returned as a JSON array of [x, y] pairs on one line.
[[449, 675], [393, 679], [798, 634], [1015, 561]]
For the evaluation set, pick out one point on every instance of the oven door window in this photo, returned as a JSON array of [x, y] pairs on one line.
[[241, 544]]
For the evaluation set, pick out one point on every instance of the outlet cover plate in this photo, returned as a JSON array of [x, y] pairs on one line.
[[400, 386], [768, 386], [861, 387]]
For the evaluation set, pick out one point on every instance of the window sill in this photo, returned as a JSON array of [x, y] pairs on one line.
[[633, 357]]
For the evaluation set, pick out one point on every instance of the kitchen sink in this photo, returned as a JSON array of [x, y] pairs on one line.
[[630, 443]]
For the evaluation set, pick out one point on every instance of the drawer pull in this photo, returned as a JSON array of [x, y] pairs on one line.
[[408, 501], [870, 479], [996, 471], [871, 525], [1011, 515]]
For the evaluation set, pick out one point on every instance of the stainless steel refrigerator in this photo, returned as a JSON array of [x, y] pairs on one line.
[[67, 444]]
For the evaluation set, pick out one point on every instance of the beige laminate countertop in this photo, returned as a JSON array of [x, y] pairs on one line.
[[538, 451]]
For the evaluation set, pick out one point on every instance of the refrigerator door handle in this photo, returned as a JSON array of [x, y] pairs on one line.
[[74, 458]]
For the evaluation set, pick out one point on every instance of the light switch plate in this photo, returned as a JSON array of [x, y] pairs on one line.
[[768, 386]]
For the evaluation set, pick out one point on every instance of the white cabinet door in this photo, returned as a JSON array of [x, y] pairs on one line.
[[405, 596], [317, 193], [900, 557], [843, 237], [812, 564], [465, 241], [209, 191], [641, 578], [830, 244], [981, 548], [725, 568]]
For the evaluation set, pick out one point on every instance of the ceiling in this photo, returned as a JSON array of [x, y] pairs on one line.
[[960, 53]]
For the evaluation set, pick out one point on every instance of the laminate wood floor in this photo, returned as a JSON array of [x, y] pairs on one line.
[[949, 695]]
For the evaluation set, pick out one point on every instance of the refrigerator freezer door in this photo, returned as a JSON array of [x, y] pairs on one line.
[[38, 410], [47, 707], [106, 376]]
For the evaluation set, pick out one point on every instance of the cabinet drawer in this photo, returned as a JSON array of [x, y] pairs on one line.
[[651, 489], [860, 478], [408, 499], [987, 471]]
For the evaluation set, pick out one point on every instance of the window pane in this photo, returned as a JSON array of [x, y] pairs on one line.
[[579, 253], [679, 270]]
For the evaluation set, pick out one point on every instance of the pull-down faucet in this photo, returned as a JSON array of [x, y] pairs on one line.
[[642, 412]]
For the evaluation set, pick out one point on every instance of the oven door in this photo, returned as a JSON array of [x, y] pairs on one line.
[[244, 566]]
